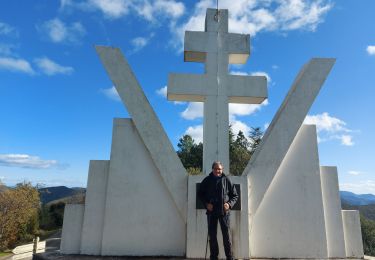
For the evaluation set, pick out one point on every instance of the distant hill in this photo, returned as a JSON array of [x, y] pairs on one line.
[[368, 211], [56, 193], [357, 199], [3, 187]]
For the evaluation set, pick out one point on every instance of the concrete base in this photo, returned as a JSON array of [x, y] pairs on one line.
[[197, 224], [289, 222], [352, 234], [72, 229], [92, 230], [332, 212]]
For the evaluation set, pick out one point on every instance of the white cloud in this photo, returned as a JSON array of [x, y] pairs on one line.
[[196, 132], [240, 126], [256, 73], [239, 73], [194, 110], [26, 161], [245, 109], [50, 67], [6, 29], [262, 73], [162, 91], [252, 17], [346, 140], [354, 172], [329, 128], [150, 10], [111, 8], [325, 122], [111, 93], [18, 65], [139, 42], [362, 187], [371, 49], [59, 32]]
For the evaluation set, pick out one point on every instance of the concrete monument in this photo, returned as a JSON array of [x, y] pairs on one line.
[[290, 205]]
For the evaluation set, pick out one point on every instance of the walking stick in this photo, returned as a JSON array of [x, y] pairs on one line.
[[208, 224], [205, 255]]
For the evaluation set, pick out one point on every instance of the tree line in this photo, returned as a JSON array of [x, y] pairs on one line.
[[241, 148]]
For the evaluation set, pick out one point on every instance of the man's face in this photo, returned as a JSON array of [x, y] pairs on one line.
[[217, 170]]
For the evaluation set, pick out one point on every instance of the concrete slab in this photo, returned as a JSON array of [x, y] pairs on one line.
[[275, 144], [140, 216], [289, 222], [151, 131], [72, 229], [352, 234], [92, 229], [332, 212]]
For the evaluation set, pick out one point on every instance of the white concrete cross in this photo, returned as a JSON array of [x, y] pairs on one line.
[[216, 88]]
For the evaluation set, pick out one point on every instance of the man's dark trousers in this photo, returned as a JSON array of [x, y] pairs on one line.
[[212, 221]]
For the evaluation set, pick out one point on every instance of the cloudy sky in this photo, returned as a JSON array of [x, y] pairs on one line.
[[57, 103]]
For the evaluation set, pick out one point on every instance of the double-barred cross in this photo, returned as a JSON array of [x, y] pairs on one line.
[[216, 88]]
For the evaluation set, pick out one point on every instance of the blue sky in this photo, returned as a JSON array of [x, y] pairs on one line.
[[57, 102]]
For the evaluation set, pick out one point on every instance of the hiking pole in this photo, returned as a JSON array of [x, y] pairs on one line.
[[208, 224], [205, 255]]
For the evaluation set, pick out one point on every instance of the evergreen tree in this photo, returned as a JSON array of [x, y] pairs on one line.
[[368, 236], [191, 154], [240, 151], [255, 137], [239, 154]]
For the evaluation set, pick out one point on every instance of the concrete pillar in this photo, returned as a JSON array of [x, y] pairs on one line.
[[93, 221], [352, 234], [72, 229], [332, 212]]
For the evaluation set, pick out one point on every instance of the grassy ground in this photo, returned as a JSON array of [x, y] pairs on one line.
[[4, 253]]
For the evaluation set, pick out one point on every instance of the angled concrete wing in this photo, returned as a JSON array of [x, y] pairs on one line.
[[147, 123], [280, 134]]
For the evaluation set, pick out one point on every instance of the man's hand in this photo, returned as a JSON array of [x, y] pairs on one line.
[[210, 207], [226, 206]]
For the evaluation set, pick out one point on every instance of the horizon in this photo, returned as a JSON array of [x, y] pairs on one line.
[[58, 102]]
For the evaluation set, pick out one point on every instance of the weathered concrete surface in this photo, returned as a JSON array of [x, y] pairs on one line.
[[352, 234], [275, 144], [72, 229], [197, 224], [332, 212], [151, 131], [289, 222], [217, 49], [92, 230], [140, 216]]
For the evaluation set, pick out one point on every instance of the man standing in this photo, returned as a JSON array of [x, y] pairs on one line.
[[219, 195]]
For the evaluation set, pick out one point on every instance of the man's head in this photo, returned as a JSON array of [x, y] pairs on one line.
[[217, 168]]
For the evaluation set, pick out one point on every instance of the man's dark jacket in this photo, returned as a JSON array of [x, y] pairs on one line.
[[217, 191]]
